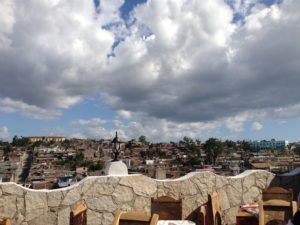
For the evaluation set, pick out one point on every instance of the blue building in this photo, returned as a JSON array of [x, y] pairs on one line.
[[272, 144]]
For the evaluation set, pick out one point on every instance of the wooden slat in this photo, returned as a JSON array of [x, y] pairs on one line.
[[5, 222], [134, 218], [78, 215], [79, 209], [277, 193], [140, 216], [202, 215], [277, 202], [117, 218], [294, 207], [167, 208], [154, 219]]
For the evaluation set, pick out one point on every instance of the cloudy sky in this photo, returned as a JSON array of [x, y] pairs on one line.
[[162, 68]]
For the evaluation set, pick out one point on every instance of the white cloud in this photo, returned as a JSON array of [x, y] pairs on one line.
[[78, 135], [4, 133], [109, 12], [257, 126], [183, 67], [53, 52], [235, 124], [7, 21], [8, 105], [154, 129], [124, 114], [89, 122]]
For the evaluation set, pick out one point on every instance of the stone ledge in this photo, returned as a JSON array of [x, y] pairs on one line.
[[27, 205]]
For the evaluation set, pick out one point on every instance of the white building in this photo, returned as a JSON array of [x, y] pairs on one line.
[[272, 144]]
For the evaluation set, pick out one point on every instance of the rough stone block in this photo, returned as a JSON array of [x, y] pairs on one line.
[[104, 204], [123, 194]]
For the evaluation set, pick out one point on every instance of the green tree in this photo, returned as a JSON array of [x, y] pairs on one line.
[[188, 140], [297, 150], [7, 148], [15, 140], [193, 148], [198, 142], [143, 139], [230, 144], [248, 148], [20, 141], [213, 147], [66, 144]]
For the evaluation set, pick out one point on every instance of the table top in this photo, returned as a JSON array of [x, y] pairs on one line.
[[244, 214], [175, 222], [248, 211]]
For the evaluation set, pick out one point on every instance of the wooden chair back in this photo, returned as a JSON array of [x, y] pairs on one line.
[[5, 222], [203, 217], [134, 218], [167, 208], [78, 215], [214, 209], [276, 204], [210, 213], [277, 193]]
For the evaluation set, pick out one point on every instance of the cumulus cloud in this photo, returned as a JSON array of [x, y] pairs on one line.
[[51, 52], [155, 129], [89, 122], [8, 105], [124, 114], [210, 69], [4, 133], [257, 126], [184, 65]]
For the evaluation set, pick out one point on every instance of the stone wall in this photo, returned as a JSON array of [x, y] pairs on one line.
[[107, 194]]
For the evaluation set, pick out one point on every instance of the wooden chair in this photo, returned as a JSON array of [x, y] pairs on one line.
[[78, 215], [134, 218], [5, 222], [276, 204], [167, 208]]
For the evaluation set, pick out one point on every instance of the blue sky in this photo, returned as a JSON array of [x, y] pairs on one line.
[[164, 69]]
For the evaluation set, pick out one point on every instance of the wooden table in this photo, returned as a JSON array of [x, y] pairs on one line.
[[246, 218]]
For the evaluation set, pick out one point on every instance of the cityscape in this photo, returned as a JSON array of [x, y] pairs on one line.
[[49, 162], [149, 112]]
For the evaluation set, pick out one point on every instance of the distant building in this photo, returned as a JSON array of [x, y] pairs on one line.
[[160, 173], [272, 144], [46, 138], [65, 181]]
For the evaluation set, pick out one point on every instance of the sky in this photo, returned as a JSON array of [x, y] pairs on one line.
[[165, 69]]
